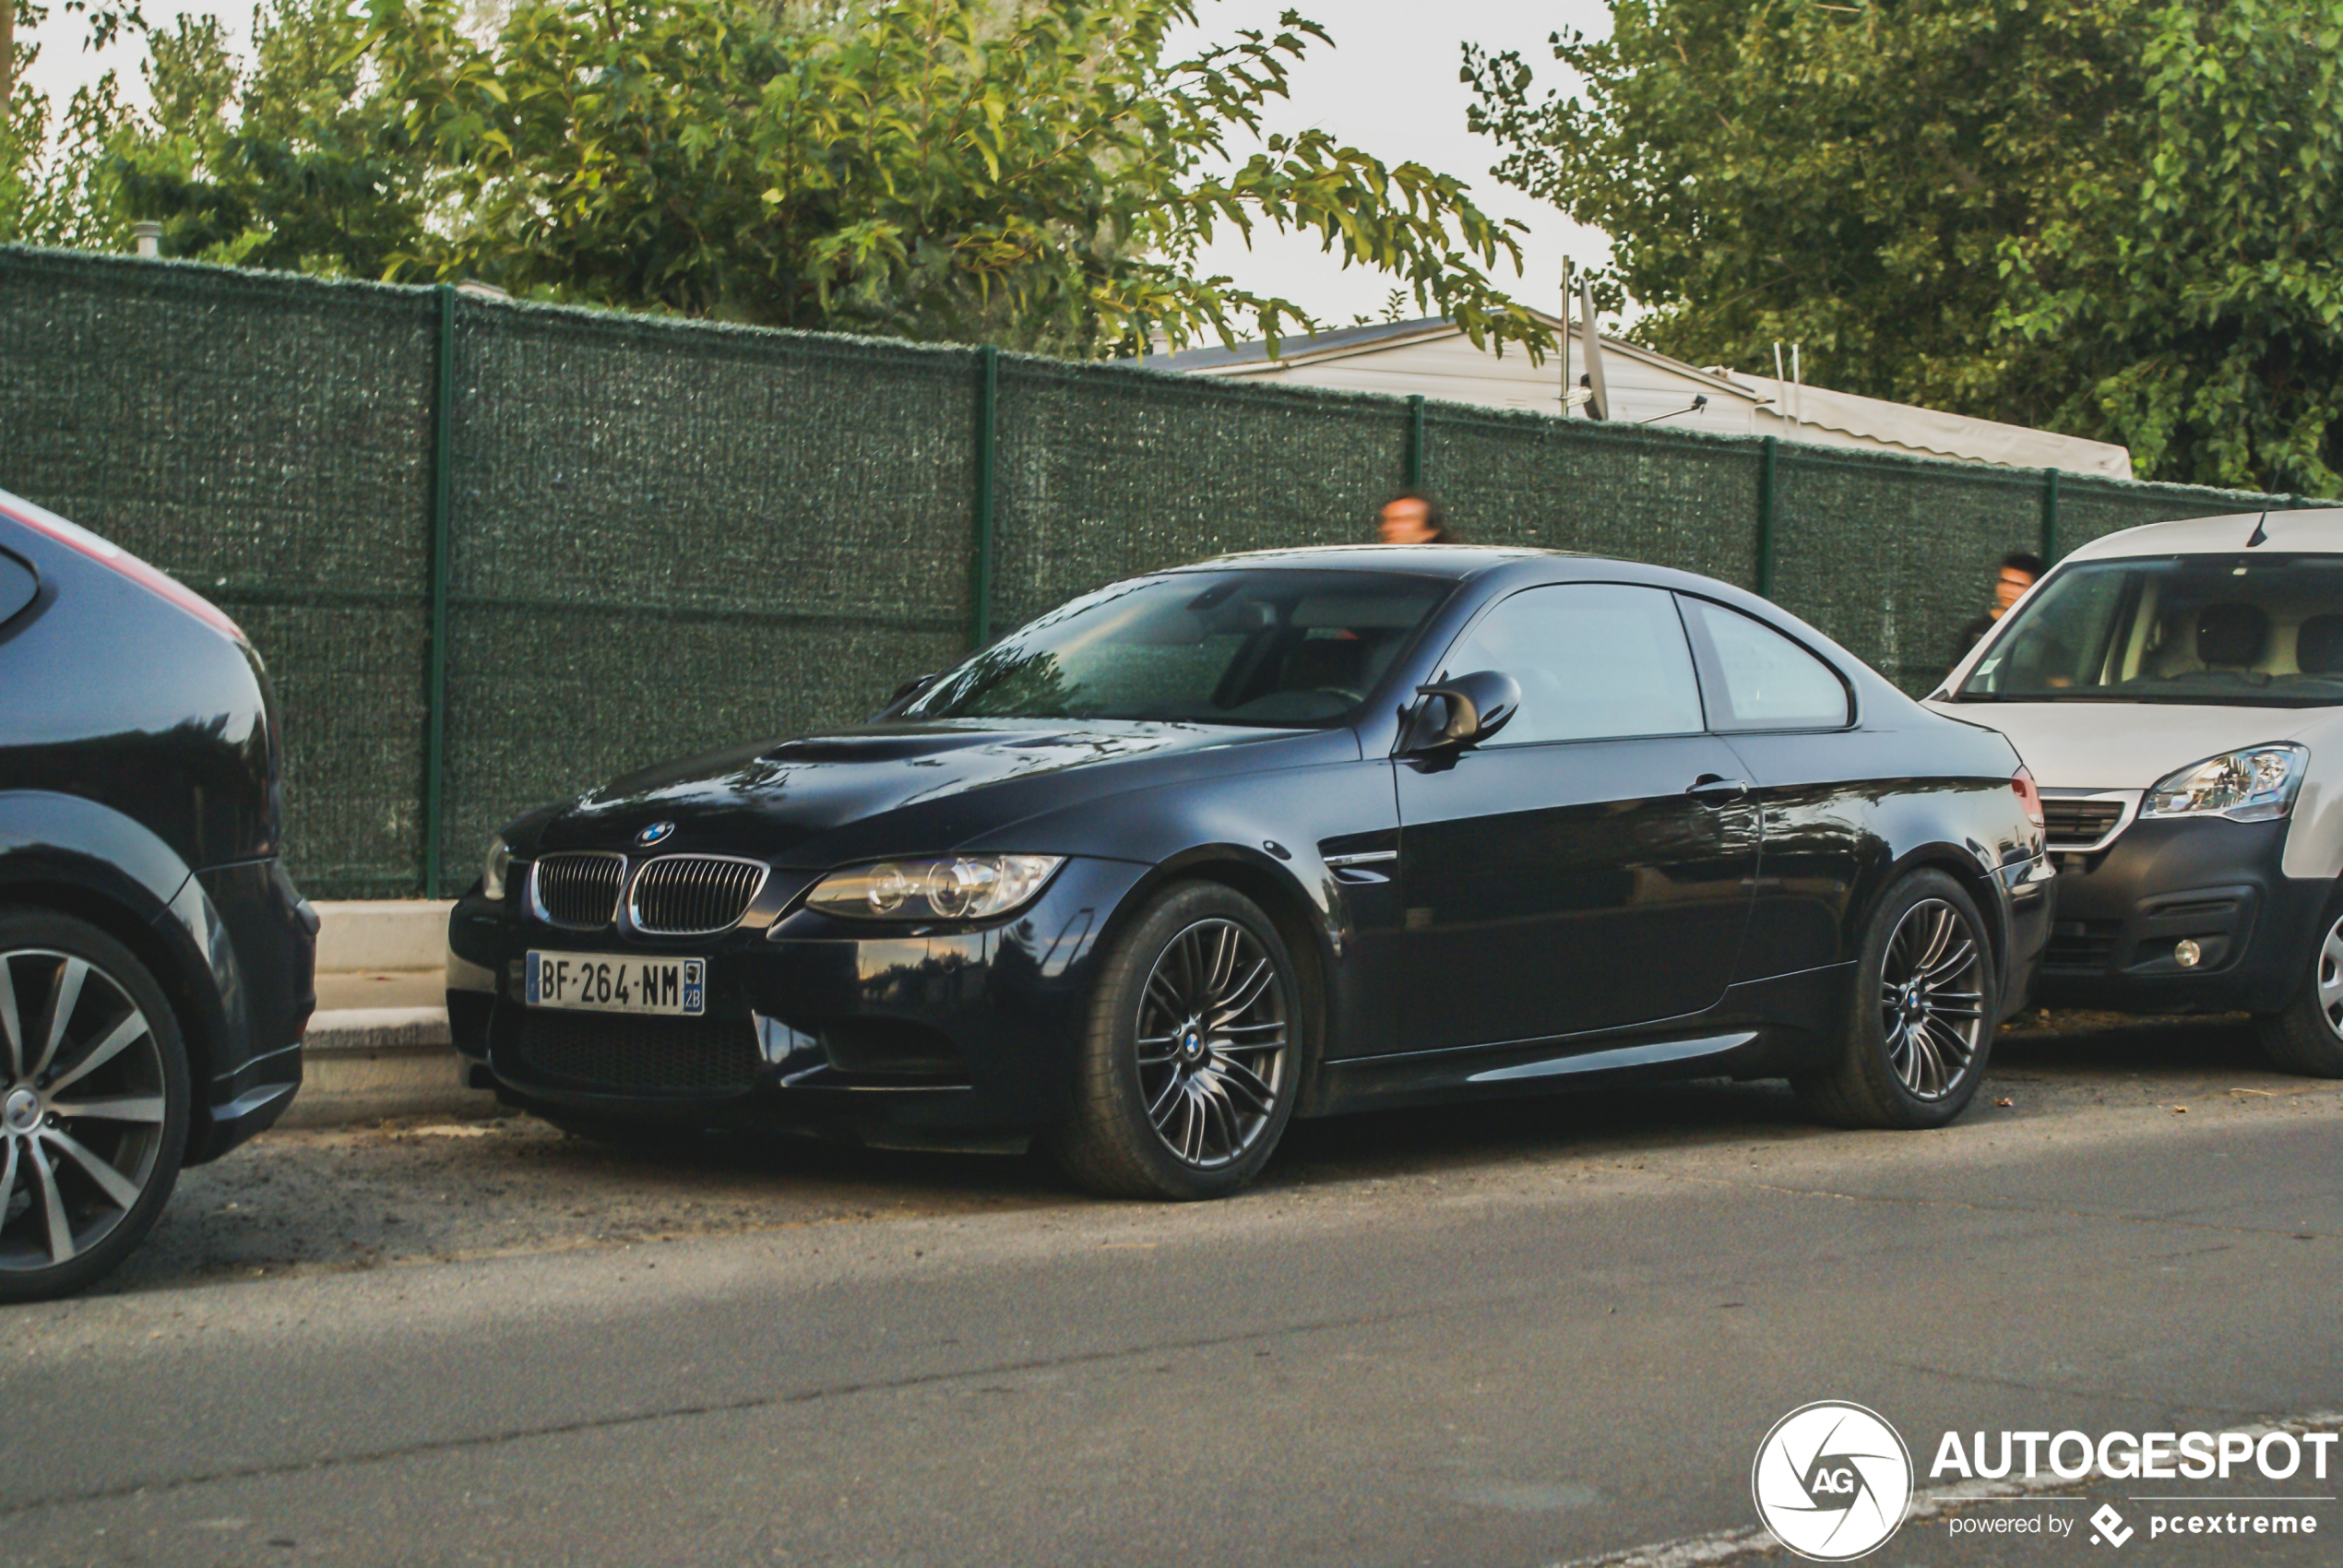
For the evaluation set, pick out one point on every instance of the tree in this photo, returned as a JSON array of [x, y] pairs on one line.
[[1038, 174], [55, 187], [297, 159], [2193, 299], [1995, 207]]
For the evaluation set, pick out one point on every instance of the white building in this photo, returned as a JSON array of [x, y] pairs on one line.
[[1434, 358]]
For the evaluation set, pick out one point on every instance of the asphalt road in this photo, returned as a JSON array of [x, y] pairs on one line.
[[1545, 1332]]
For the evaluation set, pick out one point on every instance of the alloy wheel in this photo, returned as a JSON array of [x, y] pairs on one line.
[[1931, 998], [2330, 979], [82, 1107], [1212, 1042]]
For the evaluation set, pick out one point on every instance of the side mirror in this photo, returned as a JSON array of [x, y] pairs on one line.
[[1458, 714]]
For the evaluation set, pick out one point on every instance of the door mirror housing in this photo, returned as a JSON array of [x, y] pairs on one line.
[[1456, 715]]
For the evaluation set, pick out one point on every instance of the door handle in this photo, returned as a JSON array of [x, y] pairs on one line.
[[1712, 787]]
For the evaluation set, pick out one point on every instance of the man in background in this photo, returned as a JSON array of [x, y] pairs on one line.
[[1413, 518], [2018, 570]]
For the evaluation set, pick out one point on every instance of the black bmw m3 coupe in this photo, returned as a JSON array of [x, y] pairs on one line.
[[1280, 835]]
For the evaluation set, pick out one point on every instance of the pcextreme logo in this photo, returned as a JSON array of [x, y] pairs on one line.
[[1832, 1481]]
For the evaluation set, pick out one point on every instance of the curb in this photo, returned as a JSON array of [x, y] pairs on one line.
[[363, 1064], [382, 934]]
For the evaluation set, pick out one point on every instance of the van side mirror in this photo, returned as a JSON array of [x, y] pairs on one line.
[[1456, 715]]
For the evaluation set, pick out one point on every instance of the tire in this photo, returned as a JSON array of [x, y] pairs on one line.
[[1919, 1025], [2307, 1037], [1193, 1058], [92, 1132]]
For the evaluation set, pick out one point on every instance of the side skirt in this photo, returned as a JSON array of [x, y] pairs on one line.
[[1759, 1029]]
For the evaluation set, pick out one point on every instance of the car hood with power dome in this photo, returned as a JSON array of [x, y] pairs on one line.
[[903, 788]]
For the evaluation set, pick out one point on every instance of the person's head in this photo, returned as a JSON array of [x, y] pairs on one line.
[[2018, 570], [1413, 518]]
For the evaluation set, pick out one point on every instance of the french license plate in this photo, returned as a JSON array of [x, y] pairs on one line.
[[613, 982]]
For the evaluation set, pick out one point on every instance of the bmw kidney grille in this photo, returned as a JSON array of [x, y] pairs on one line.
[[693, 894], [578, 891]]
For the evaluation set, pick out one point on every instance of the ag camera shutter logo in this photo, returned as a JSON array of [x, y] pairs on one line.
[[1832, 1481]]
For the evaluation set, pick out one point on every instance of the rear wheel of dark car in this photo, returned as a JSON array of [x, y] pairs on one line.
[[94, 1118], [1193, 1057], [1920, 1023], [2307, 1037]]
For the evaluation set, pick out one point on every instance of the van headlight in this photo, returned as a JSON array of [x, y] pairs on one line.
[[493, 870], [951, 887], [2253, 784]]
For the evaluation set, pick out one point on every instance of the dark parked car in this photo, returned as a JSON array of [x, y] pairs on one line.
[[155, 962], [1278, 835]]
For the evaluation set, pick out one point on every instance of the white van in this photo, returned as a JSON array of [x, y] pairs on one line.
[[2177, 691]]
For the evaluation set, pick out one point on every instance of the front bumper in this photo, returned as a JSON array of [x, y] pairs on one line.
[[2122, 910], [900, 1037]]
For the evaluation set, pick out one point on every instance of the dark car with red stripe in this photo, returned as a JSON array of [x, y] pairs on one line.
[[156, 962]]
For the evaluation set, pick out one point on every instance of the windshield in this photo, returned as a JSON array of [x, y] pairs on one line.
[[1283, 648], [2252, 630]]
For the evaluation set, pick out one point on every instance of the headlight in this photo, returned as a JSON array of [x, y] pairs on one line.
[[956, 887], [2253, 784], [491, 872]]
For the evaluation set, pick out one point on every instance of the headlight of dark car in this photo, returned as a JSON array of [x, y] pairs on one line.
[[951, 887], [2251, 785]]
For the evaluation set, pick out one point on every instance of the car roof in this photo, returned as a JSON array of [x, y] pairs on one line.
[[2318, 531], [1457, 561]]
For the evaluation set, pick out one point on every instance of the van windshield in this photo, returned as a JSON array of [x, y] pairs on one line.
[[2258, 631]]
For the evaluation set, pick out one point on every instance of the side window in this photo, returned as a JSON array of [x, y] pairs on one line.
[[1770, 683], [17, 585], [1595, 661]]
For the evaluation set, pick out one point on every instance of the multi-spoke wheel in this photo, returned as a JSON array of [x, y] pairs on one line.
[[1931, 998], [93, 1104], [2307, 1036], [1212, 1042], [1193, 1054], [1921, 1023]]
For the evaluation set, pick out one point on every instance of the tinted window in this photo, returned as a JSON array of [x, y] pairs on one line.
[[17, 585], [1770, 683], [1594, 660], [1267, 647], [2240, 630]]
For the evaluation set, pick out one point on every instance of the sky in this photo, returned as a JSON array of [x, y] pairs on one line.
[[1388, 87]]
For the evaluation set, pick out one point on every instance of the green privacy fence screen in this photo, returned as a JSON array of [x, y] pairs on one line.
[[495, 552]]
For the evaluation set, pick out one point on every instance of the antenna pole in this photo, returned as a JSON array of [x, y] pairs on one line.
[[1566, 337]]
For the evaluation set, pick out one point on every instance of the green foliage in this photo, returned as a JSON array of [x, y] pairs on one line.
[[55, 189], [1038, 173], [2093, 215], [1039, 176], [2193, 297]]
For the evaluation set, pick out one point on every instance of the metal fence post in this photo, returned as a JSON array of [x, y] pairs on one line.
[[443, 479], [1415, 441], [988, 400], [2050, 517], [1765, 519]]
